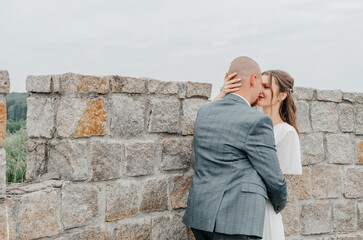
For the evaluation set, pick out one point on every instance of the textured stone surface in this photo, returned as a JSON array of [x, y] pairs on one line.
[[164, 116], [96, 233], [340, 148], [139, 158], [154, 196], [36, 158], [327, 181], [45, 185], [105, 160], [330, 95], [40, 117], [127, 84], [166, 227], [177, 153], [41, 209], [121, 201], [349, 237], [303, 93], [346, 117], [2, 123], [182, 90], [69, 113], [4, 81], [159, 87], [40, 84], [179, 193], [133, 231], [354, 183], [291, 219], [316, 218], [189, 114], [93, 119], [324, 116], [359, 119], [2, 173], [353, 97], [81, 118], [312, 148], [360, 215], [76, 83], [79, 205], [360, 152], [56, 82], [345, 217], [197, 89], [70, 159], [302, 117], [127, 116], [7, 220], [298, 186]]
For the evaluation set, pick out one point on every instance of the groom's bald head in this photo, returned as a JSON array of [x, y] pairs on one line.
[[245, 68]]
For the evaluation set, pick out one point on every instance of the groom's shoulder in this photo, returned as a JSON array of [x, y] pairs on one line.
[[259, 118], [256, 114]]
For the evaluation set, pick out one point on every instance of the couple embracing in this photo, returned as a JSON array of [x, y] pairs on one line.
[[238, 187]]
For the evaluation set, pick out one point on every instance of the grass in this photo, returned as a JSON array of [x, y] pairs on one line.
[[15, 147]]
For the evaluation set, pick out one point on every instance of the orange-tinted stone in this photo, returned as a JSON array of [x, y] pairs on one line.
[[91, 83], [180, 192], [93, 120], [76, 83], [2, 123], [360, 153]]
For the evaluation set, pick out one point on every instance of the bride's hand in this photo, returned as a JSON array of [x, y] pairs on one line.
[[230, 84]]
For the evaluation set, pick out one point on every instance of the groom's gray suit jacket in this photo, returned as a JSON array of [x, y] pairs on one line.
[[236, 169]]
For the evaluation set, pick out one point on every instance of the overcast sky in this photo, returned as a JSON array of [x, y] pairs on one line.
[[320, 43]]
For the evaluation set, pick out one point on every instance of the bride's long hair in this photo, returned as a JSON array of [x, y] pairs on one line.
[[285, 84]]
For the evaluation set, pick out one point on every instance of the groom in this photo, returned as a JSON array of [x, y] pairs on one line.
[[236, 167]]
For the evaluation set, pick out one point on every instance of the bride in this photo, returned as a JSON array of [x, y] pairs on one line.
[[277, 102]]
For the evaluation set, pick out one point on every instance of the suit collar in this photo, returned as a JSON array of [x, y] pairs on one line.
[[237, 98]]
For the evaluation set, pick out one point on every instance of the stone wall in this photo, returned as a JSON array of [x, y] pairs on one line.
[[111, 158], [108, 158], [326, 201], [4, 89]]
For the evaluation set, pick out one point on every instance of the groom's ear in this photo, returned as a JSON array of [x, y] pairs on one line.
[[253, 80]]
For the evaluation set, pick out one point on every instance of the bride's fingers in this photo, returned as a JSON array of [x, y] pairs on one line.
[[225, 76], [232, 81], [233, 85], [229, 77], [231, 90]]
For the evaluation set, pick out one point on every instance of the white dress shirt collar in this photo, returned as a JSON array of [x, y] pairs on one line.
[[242, 98]]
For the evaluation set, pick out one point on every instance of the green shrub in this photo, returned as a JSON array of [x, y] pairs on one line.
[[13, 127], [15, 147]]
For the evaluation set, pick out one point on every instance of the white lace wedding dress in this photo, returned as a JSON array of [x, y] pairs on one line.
[[288, 153]]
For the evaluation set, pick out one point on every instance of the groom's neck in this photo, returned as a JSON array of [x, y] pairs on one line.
[[245, 94]]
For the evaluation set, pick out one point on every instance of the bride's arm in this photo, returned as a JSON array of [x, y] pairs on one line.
[[289, 154], [229, 85]]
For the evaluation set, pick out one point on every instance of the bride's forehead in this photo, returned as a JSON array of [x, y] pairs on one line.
[[265, 79]]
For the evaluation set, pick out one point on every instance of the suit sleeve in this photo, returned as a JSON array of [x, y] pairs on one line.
[[261, 151]]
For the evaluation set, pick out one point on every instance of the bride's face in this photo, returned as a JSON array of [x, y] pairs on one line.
[[265, 96]]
